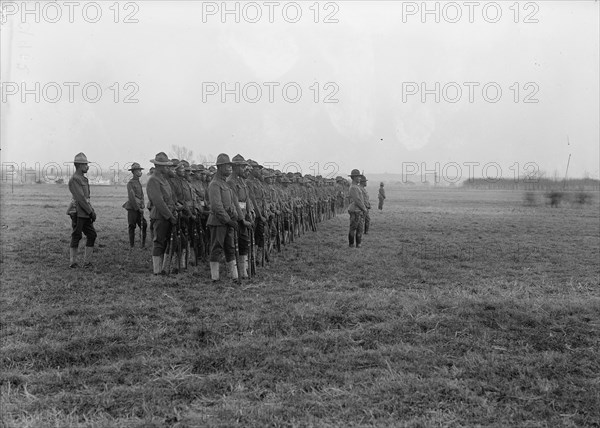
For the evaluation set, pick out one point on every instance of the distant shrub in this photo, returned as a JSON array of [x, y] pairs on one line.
[[555, 197], [530, 199], [60, 181], [583, 198]]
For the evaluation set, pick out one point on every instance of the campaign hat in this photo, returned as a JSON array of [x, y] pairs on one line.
[[135, 166], [223, 159], [80, 158], [161, 159]]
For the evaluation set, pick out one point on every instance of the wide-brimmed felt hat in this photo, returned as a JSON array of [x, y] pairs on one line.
[[254, 164], [80, 158], [161, 159], [135, 166], [355, 173], [185, 164], [223, 159], [239, 160], [363, 179]]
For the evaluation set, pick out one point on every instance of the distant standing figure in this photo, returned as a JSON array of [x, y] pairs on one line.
[[81, 212], [381, 196], [135, 205], [363, 186], [356, 209]]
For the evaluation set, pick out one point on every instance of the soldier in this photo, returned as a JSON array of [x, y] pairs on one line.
[[237, 182], [356, 209], [81, 212], [135, 205], [381, 196], [163, 213], [222, 220], [363, 186], [256, 186]]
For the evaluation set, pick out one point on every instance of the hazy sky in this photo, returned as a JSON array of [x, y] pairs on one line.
[[511, 96]]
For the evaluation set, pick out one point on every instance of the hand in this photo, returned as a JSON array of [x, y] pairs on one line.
[[247, 223], [263, 219], [173, 220], [233, 223], [93, 216]]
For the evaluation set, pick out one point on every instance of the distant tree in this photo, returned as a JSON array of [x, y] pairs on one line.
[[181, 153]]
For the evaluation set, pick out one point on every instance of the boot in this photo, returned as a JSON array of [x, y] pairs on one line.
[[131, 237], [350, 240], [358, 241], [87, 257], [214, 271], [156, 265], [73, 258], [232, 268], [244, 266]]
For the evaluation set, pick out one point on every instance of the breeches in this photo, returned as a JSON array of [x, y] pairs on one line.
[[222, 241], [162, 231], [82, 225]]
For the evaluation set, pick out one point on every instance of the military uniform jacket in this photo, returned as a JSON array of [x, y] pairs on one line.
[[161, 197], [222, 202], [177, 187], [188, 195], [366, 197], [135, 195], [242, 193], [257, 195], [79, 187], [357, 203]]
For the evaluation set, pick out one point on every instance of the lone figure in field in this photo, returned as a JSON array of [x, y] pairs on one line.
[[381, 196], [135, 205], [81, 212], [356, 209]]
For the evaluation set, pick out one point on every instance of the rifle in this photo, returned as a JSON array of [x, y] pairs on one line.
[[291, 223], [278, 238], [237, 256], [251, 255], [170, 250]]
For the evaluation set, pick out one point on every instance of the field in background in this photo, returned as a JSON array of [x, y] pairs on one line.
[[462, 308]]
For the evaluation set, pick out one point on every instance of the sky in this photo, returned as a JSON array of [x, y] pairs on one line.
[[469, 89]]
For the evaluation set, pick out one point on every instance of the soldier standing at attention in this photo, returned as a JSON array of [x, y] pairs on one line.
[[135, 205], [381, 196], [162, 215], [81, 212], [356, 209], [363, 186], [237, 182], [222, 220]]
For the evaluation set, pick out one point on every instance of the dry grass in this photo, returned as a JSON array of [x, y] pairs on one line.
[[461, 309]]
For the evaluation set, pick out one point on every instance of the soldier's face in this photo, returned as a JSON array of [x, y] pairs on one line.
[[137, 173], [226, 169]]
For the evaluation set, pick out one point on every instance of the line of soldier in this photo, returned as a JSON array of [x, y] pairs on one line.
[[236, 209]]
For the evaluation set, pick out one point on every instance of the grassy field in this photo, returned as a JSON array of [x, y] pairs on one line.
[[461, 309]]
